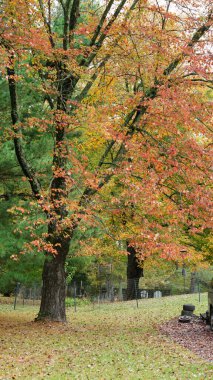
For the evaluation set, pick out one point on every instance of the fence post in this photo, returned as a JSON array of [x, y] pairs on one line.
[[198, 289], [34, 293], [184, 279], [136, 291], [120, 293], [16, 293], [23, 295], [75, 296]]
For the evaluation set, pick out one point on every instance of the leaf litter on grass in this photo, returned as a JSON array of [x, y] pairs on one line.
[[116, 341]]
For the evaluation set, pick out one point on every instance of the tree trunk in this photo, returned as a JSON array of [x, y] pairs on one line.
[[134, 272], [54, 278], [53, 293]]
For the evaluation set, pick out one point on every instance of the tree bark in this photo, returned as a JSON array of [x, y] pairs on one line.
[[53, 295], [134, 272], [53, 291], [54, 277]]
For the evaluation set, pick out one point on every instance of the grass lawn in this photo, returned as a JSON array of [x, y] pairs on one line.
[[114, 341]]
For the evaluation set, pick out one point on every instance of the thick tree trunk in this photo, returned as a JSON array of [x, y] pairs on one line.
[[53, 291], [134, 272], [54, 278], [53, 294]]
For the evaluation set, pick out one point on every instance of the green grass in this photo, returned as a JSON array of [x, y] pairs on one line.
[[111, 341], [79, 302]]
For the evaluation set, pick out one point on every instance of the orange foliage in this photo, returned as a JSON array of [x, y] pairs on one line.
[[137, 99]]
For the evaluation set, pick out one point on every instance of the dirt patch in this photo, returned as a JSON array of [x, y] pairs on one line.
[[196, 336]]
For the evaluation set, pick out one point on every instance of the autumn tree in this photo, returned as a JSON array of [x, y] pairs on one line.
[[147, 131], [154, 203]]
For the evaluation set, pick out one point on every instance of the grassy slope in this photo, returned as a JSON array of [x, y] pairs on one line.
[[115, 341]]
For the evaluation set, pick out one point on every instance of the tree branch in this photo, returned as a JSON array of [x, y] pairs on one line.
[[89, 84], [47, 22], [27, 170], [89, 191], [101, 22], [202, 122], [74, 15], [152, 92], [86, 62], [134, 116], [8, 196], [65, 8], [195, 38]]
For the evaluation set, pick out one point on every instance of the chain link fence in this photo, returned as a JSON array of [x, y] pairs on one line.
[[108, 291]]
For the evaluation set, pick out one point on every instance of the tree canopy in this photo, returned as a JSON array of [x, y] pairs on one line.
[[110, 121]]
